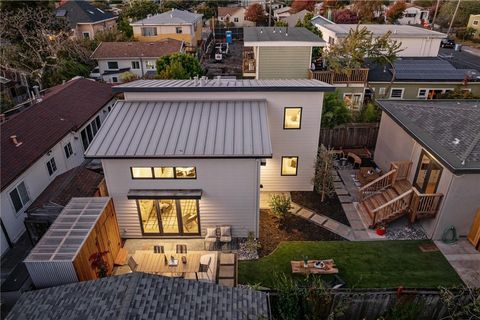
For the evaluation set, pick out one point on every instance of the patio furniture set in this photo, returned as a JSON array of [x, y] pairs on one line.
[[215, 235]]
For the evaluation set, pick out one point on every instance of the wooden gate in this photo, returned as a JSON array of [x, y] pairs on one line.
[[474, 234]]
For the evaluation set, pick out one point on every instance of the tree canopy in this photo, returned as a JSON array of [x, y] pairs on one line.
[[465, 9], [345, 16], [133, 11], [395, 11], [178, 66], [255, 13], [367, 9], [299, 5], [334, 111]]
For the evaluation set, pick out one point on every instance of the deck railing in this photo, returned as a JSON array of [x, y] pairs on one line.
[[402, 167], [377, 185], [352, 76], [424, 205], [391, 209]]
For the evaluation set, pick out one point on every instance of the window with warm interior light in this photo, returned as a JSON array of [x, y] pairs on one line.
[[292, 118], [164, 172], [289, 166], [185, 173], [142, 173]]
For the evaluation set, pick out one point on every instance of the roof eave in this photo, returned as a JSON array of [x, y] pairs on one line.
[[328, 88], [110, 157]]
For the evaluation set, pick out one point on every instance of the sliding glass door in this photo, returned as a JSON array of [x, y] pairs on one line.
[[169, 217]]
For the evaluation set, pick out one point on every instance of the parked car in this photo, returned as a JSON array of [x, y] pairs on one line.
[[95, 73], [447, 43]]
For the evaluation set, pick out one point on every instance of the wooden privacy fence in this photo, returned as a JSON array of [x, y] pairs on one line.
[[349, 136]]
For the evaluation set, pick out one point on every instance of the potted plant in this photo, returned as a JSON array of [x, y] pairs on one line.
[[98, 263], [381, 229]]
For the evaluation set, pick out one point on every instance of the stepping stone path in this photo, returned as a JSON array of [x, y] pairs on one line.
[[227, 271]]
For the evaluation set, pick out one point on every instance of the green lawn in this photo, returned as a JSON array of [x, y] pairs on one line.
[[369, 264]]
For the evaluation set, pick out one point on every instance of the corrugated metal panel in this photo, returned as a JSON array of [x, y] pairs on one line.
[[287, 63], [51, 273], [186, 129]]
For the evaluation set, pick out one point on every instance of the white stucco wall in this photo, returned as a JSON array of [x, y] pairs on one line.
[[417, 19], [229, 187], [302, 143], [124, 63]]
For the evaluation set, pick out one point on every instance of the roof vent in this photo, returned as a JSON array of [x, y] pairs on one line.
[[261, 30], [456, 141], [274, 30], [15, 141], [149, 15], [195, 80], [202, 81]]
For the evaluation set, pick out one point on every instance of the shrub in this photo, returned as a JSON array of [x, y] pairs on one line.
[[280, 205], [370, 113]]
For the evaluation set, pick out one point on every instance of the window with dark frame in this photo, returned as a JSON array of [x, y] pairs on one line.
[[112, 65], [178, 30], [428, 173], [68, 150], [135, 64], [292, 118], [163, 172], [19, 196], [289, 165], [51, 166]]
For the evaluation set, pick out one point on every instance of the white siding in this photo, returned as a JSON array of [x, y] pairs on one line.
[[302, 143], [229, 191], [124, 63]]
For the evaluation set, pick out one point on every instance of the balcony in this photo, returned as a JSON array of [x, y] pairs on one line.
[[331, 77]]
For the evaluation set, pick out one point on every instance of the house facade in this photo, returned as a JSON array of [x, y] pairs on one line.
[[416, 42], [175, 24], [137, 58], [414, 15], [234, 16], [440, 139], [84, 19], [44, 141], [216, 145], [474, 22], [278, 53]]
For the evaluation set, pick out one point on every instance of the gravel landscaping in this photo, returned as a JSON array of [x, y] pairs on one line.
[[330, 208]]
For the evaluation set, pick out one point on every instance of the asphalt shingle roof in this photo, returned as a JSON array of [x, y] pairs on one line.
[[82, 12], [141, 296], [449, 129], [119, 50], [173, 17]]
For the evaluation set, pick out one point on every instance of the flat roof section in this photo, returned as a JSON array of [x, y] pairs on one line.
[[280, 36], [184, 129], [225, 85], [342, 30]]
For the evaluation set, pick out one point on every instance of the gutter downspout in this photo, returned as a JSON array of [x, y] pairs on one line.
[[141, 66], [257, 198]]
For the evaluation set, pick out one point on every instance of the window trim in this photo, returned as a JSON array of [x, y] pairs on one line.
[[108, 66], [84, 33], [160, 178], [68, 147], [285, 114], [137, 63], [17, 213], [296, 168], [395, 98], [52, 166]]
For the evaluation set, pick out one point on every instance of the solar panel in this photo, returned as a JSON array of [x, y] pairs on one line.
[[430, 74]]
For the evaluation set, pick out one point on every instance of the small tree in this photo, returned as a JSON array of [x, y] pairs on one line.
[[323, 180], [345, 16], [334, 111], [366, 9], [128, 76], [281, 23], [299, 5], [178, 66], [370, 113], [395, 11], [280, 205], [255, 13]]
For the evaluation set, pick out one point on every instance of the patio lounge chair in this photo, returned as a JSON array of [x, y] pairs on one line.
[[210, 238], [204, 266], [181, 248], [226, 235], [132, 264], [158, 249]]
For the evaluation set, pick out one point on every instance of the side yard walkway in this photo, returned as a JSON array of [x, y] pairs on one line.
[[464, 259]]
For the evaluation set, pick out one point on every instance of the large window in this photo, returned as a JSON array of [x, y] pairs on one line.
[[396, 93], [292, 118], [163, 172], [19, 196], [149, 31], [428, 174], [112, 65], [289, 166], [90, 131], [169, 216], [51, 166]]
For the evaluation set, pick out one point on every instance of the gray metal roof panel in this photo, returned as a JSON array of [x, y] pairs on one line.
[[296, 34], [170, 17], [342, 30], [449, 129], [184, 129], [222, 85]]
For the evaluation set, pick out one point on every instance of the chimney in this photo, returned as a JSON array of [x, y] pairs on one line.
[[15, 141], [195, 81]]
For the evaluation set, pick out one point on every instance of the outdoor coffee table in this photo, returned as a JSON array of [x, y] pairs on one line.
[[150, 262], [298, 267]]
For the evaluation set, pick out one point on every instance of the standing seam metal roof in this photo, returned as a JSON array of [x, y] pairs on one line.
[[184, 129], [173, 17]]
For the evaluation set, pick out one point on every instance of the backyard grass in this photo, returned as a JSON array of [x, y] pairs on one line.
[[369, 264]]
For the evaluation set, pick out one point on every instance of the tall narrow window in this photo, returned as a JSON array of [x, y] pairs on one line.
[[292, 118], [68, 150], [51, 166], [142, 173], [289, 166], [428, 174]]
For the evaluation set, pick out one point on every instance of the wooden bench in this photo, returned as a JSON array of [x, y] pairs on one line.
[[121, 258]]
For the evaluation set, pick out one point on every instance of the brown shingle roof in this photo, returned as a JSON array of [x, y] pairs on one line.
[[107, 50], [65, 108], [223, 11]]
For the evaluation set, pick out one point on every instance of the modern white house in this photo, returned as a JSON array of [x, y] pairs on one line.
[[44, 141], [278, 52], [414, 15], [440, 141], [182, 155], [416, 42], [137, 58]]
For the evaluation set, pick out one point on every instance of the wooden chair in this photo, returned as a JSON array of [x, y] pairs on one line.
[[132, 264], [158, 249], [210, 237], [226, 235], [204, 267], [181, 248], [356, 159]]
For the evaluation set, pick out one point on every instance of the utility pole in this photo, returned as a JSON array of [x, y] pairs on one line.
[[435, 15], [270, 14], [453, 18]]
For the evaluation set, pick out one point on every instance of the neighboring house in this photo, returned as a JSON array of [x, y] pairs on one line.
[[292, 19], [234, 16], [276, 4], [278, 53], [84, 19], [416, 42], [440, 139], [175, 24], [421, 78], [319, 20], [139, 58], [141, 296], [13, 88], [44, 141], [281, 13], [414, 15], [474, 22], [182, 155]]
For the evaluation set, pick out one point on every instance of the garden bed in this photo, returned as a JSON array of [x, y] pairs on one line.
[[331, 207], [291, 228], [362, 264]]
